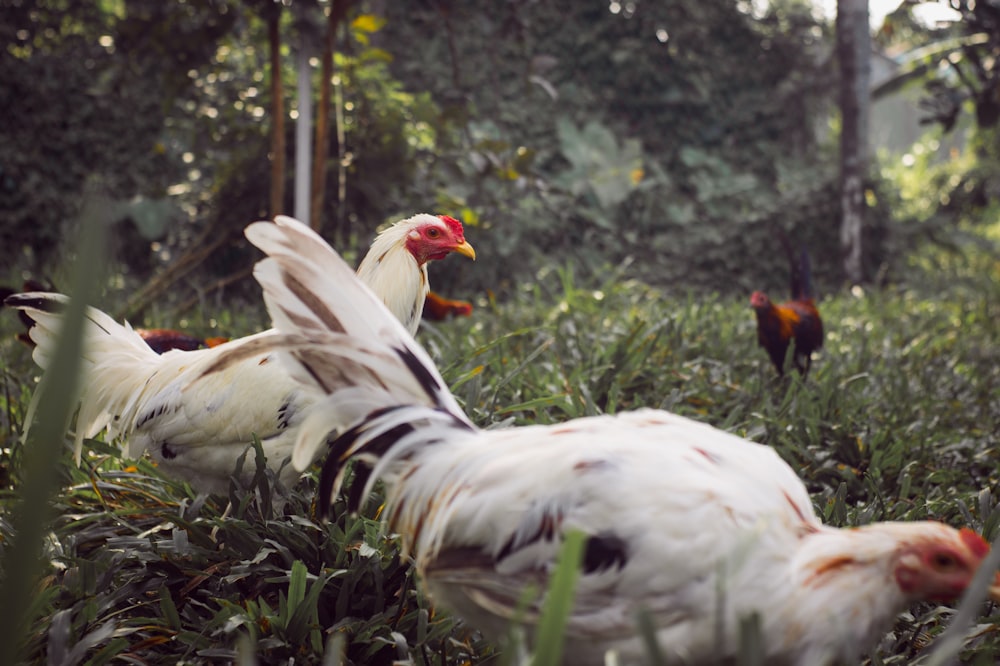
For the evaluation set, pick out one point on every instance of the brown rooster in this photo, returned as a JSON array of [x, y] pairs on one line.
[[439, 308], [797, 319], [164, 339]]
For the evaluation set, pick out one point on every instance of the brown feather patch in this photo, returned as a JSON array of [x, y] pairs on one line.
[[311, 301], [829, 566], [235, 355], [805, 526]]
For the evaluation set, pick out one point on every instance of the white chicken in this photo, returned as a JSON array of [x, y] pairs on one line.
[[696, 527], [195, 423]]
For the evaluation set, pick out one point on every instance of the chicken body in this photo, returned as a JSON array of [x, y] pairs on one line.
[[680, 524], [780, 325], [697, 527], [195, 412], [796, 320]]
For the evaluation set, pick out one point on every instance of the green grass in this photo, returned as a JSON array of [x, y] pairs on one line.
[[899, 420]]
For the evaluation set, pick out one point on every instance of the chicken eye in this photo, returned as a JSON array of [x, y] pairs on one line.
[[944, 561], [433, 233]]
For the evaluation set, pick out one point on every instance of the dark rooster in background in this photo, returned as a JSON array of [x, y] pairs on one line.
[[159, 339], [164, 339], [797, 319], [439, 308]]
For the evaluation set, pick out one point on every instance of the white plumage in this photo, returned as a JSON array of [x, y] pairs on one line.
[[695, 526], [195, 412]]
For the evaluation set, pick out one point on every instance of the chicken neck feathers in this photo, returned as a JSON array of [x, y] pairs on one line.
[[383, 267]]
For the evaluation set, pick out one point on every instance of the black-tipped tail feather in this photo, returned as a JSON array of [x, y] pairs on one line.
[[46, 302], [393, 433]]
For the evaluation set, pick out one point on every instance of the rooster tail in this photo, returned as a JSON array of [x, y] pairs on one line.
[[337, 337], [800, 281], [802, 277], [111, 355], [27, 285]]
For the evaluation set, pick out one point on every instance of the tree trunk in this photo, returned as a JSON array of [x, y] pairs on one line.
[[338, 11], [323, 124], [277, 114], [854, 56], [303, 134]]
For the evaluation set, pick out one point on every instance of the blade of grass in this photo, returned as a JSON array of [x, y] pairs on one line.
[[335, 648], [751, 639], [647, 630], [246, 654], [22, 565], [296, 588], [550, 638]]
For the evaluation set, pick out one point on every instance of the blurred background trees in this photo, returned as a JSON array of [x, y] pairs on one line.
[[678, 134]]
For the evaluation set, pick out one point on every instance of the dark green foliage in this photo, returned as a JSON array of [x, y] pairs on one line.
[[85, 93], [967, 76], [708, 110], [662, 132], [137, 574]]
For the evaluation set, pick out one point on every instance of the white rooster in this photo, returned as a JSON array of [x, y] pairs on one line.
[[195, 425], [694, 526]]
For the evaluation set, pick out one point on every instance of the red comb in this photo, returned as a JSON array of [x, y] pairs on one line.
[[974, 542], [454, 225]]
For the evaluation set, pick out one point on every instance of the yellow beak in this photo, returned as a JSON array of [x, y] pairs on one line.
[[466, 249]]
